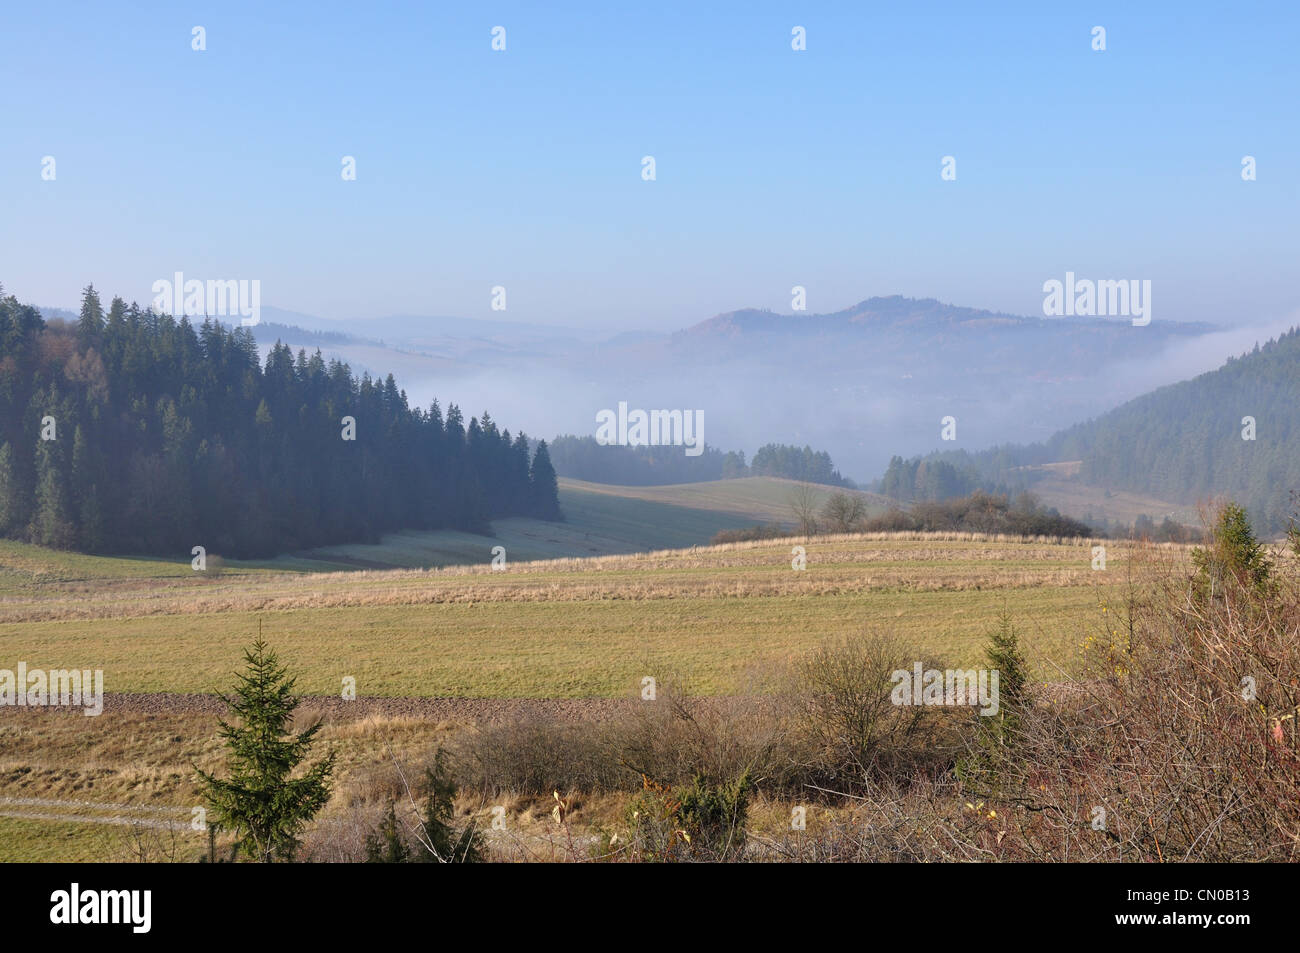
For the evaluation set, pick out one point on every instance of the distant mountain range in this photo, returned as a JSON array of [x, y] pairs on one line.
[[864, 383]]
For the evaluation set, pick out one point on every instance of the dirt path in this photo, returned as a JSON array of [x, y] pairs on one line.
[[95, 812], [333, 708]]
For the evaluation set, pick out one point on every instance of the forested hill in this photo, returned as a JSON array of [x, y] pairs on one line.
[[133, 432], [1190, 440], [1185, 442]]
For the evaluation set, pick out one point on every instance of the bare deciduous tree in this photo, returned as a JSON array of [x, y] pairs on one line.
[[844, 512], [803, 501]]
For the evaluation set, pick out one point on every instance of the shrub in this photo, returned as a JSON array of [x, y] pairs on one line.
[[437, 839], [672, 738], [544, 755], [848, 730], [1231, 549], [750, 533], [702, 821], [980, 512], [1179, 740]]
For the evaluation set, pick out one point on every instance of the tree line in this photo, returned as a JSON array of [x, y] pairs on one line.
[[130, 431], [977, 512], [928, 479], [797, 463], [582, 458]]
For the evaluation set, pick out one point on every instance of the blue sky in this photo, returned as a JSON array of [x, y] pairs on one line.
[[775, 168]]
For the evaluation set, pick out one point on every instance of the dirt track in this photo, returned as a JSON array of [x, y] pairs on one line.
[[333, 708]]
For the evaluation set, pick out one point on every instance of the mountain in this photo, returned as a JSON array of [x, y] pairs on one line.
[[877, 378], [913, 335], [1234, 431], [863, 383]]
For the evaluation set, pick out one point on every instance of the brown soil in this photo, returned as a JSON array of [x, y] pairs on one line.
[[333, 708]]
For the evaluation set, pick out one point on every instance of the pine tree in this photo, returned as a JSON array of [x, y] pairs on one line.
[[11, 509], [441, 841], [1233, 550], [85, 494], [52, 523], [518, 478], [545, 486], [1008, 660], [387, 846], [262, 802], [1292, 528], [91, 530], [90, 326], [185, 438], [992, 742]]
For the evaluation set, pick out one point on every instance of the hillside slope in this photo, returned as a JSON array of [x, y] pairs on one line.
[[600, 520], [1234, 431], [1189, 440]]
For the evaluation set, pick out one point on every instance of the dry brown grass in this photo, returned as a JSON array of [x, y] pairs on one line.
[[919, 562]]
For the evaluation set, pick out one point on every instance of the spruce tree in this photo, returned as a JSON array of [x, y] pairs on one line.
[[11, 508], [91, 323], [1008, 660], [388, 846], [1233, 550], [545, 486], [1292, 529], [85, 494], [262, 801], [992, 742], [52, 523], [441, 841], [185, 438]]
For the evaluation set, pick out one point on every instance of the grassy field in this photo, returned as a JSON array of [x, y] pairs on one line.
[[98, 790], [122, 788], [752, 499], [718, 619], [721, 620], [31, 569], [1090, 502], [599, 520], [560, 628], [39, 840]]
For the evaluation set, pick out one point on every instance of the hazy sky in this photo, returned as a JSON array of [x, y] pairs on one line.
[[774, 168]]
